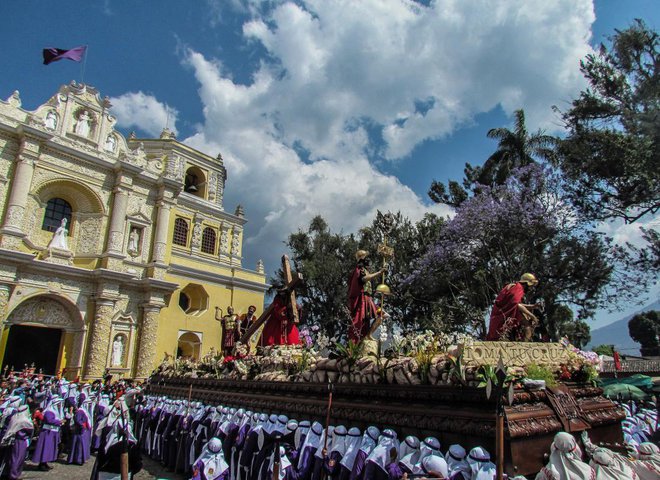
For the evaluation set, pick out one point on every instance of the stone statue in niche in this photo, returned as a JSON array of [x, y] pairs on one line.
[[117, 359], [110, 143], [59, 239], [51, 120], [83, 125], [134, 242]]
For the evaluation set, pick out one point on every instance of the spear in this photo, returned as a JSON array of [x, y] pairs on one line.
[[327, 424]]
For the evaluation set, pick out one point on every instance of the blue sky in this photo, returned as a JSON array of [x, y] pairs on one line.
[[320, 107]]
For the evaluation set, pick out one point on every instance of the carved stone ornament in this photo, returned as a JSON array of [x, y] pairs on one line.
[[213, 180], [15, 216], [42, 310], [224, 241], [197, 235], [514, 354], [14, 99], [235, 244]]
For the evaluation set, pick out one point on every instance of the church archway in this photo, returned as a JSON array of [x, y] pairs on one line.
[[38, 329], [189, 345]]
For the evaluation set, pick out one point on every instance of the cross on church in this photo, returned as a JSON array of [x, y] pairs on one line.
[[292, 281]]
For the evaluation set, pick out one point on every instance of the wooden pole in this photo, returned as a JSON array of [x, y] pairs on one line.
[[499, 441], [327, 424], [123, 458]]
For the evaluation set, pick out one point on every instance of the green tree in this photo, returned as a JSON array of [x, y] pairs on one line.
[[644, 328], [409, 241], [604, 350], [521, 226], [516, 148], [611, 155], [326, 260]]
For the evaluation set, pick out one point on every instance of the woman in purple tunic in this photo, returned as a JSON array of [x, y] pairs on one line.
[[49, 437], [211, 464], [18, 435], [81, 437]]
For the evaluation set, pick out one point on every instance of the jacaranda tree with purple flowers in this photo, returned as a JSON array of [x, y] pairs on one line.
[[505, 230]]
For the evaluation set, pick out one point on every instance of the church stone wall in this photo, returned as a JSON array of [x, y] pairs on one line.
[[117, 270]]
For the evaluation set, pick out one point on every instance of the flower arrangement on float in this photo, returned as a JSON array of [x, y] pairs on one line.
[[408, 358]]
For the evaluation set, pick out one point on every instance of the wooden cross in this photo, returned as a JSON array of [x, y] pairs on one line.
[[292, 281]]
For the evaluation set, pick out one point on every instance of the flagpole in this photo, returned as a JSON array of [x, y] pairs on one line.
[[82, 73]]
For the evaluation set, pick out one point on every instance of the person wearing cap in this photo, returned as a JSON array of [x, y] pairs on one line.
[[360, 303], [510, 318]]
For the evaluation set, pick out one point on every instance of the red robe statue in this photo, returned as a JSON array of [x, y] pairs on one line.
[[361, 305], [278, 329], [506, 310]]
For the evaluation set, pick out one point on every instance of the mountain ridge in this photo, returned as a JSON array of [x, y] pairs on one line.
[[616, 333]]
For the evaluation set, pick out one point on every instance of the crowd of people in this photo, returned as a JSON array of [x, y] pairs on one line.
[[47, 419], [231, 443]]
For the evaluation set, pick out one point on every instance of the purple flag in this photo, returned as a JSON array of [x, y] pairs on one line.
[[54, 54]]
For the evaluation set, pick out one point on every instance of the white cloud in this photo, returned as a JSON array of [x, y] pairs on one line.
[[623, 233], [408, 71], [143, 111]]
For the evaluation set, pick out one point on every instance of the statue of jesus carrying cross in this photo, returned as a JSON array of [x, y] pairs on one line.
[[281, 318]]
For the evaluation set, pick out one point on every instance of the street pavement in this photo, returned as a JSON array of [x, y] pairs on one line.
[[61, 471]]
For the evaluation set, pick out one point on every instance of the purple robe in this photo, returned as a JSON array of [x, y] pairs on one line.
[[198, 473], [81, 439], [305, 465], [249, 453], [16, 453], [372, 471], [49, 439], [394, 471], [358, 467], [333, 465]]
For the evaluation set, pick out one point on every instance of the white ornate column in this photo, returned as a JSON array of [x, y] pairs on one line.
[[162, 227], [97, 357], [12, 229], [148, 329], [117, 220]]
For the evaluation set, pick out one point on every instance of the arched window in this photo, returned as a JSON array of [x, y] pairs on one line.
[[56, 210], [180, 232], [208, 240], [189, 345]]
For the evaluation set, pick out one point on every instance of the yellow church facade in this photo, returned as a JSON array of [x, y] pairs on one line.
[[114, 251]]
